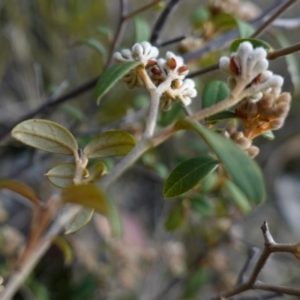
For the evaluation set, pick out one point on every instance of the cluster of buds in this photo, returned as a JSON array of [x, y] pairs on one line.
[[169, 69], [263, 106], [241, 140]]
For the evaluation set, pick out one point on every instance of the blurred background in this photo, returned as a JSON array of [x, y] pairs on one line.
[[50, 47]]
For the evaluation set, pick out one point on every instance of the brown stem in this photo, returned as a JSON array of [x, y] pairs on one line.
[[139, 10], [284, 51], [273, 17]]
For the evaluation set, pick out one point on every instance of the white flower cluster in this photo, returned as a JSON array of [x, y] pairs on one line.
[[171, 69], [250, 66]]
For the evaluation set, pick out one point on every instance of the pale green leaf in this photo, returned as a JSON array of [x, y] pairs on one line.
[[202, 206], [88, 195], [142, 29], [226, 114], [111, 76], [175, 218], [45, 135], [110, 143], [243, 170], [200, 16], [83, 218], [237, 196], [98, 171], [95, 45], [188, 174], [66, 249], [255, 43], [62, 175], [21, 189], [291, 61], [245, 29], [73, 111], [269, 135], [214, 92]]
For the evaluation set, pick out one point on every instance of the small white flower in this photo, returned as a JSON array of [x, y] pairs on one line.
[[172, 66], [142, 52], [186, 91], [247, 63]]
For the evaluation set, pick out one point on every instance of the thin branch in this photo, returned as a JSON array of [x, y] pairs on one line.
[[284, 51], [139, 10], [204, 70], [251, 283], [272, 18], [161, 21]]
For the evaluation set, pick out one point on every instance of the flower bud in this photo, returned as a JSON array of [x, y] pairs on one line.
[[252, 151]]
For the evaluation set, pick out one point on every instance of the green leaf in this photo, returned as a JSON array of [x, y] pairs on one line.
[[209, 183], [73, 111], [88, 195], [243, 171], [237, 196], [106, 31], [142, 29], [111, 76], [21, 189], [269, 135], [245, 29], [224, 21], [66, 249], [95, 45], [82, 219], [110, 143], [175, 218], [97, 172], [45, 135], [200, 16], [214, 92], [255, 43], [115, 221], [202, 206], [195, 282], [291, 61], [62, 175], [188, 174], [226, 114]]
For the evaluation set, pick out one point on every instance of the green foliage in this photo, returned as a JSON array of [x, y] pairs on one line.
[[214, 92], [255, 43], [66, 249], [21, 189], [195, 282], [175, 217], [188, 174], [62, 175], [46, 135], [111, 76], [202, 206], [142, 29], [200, 16], [88, 195], [82, 219], [111, 143], [240, 167], [95, 45], [226, 114]]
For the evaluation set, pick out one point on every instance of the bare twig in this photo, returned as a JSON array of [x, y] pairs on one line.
[[141, 9], [161, 21], [251, 283], [272, 18]]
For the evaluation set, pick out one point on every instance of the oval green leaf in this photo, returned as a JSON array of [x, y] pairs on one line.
[[202, 206], [175, 218], [88, 195], [45, 135], [97, 172], [111, 143], [255, 43], [226, 114], [110, 76], [66, 249], [269, 135], [95, 45], [142, 29], [243, 170], [214, 92], [188, 174], [21, 189], [237, 196], [62, 175], [83, 218]]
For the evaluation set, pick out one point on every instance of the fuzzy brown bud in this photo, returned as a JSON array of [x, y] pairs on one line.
[[172, 63], [183, 69], [277, 123], [156, 71], [234, 66], [252, 151], [244, 143], [151, 63]]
